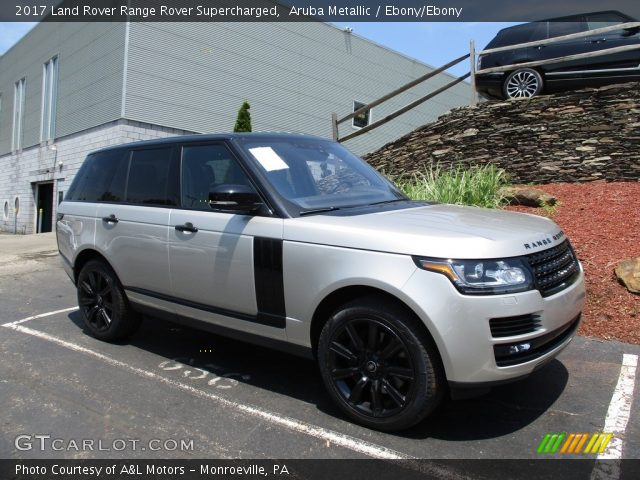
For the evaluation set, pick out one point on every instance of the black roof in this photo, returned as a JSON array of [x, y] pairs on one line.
[[203, 137]]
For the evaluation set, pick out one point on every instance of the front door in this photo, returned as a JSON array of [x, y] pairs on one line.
[[225, 268]]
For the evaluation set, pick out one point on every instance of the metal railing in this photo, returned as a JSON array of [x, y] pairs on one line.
[[335, 122]]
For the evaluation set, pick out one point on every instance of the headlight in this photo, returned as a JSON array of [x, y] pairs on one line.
[[482, 277]]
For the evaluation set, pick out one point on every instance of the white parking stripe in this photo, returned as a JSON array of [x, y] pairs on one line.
[[346, 441], [42, 315], [617, 420]]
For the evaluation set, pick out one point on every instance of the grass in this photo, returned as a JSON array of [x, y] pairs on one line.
[[478, 186]]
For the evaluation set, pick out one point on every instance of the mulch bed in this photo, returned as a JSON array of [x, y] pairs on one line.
[[602, 220]]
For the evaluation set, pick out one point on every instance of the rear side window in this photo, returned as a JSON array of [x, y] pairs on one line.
[[151, 181], [101, 178], [514, 35], [557, 29]]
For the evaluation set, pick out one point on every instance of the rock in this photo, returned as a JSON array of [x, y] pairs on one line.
[[527, 196], [628, 273], [589, 135]]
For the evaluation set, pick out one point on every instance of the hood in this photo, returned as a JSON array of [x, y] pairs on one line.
[[443, 231]]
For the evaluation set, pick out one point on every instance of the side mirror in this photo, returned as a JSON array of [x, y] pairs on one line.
[[629, 32], [234, 198]]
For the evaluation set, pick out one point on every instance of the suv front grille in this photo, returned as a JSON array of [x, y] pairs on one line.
[[554, 269], [510, 326]]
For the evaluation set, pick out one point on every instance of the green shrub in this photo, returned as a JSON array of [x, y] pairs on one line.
[[243, 122], [478, 185]]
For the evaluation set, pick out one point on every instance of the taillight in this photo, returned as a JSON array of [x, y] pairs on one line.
[[479, 63]]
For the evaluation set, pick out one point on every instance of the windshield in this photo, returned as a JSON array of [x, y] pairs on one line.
[[315, 174]]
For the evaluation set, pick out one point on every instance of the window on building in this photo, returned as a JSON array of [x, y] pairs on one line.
[[18, 114], [363, 119], [49, 96]]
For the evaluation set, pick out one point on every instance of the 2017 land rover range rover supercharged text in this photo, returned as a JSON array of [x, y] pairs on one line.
[[293, 242]]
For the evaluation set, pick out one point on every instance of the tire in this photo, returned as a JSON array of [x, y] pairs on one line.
[[378, 365], [522, 83], [103, 305]]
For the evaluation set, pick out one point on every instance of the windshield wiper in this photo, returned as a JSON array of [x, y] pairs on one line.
[[318, 210], [388, 201]]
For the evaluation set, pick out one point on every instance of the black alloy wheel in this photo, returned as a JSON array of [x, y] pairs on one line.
[[378, 366], [103, 305]]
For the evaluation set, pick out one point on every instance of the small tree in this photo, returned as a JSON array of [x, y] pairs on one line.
[[243, 122]]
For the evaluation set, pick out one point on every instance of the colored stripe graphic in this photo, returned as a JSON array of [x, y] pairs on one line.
[[573, 443]]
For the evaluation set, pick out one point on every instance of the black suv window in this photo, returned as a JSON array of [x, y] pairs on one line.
[[514, 35], [560, 28], [205, 167], [101, 178], [150, 181], [601, 20]]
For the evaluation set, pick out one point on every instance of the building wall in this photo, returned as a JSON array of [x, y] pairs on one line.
[[39, 164], [118, 83], [294, 75], [90, 74]]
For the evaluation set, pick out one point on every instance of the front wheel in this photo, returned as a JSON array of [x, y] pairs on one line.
[[378, 366], [523, 83], [103, 305]]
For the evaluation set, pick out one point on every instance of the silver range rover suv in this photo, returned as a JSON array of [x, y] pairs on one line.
[[292, 242]]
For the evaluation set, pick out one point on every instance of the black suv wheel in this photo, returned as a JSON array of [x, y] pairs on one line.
[[378, 366], [103, 304]]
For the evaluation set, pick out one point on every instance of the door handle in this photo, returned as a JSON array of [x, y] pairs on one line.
[[110, 219], [187, 227], [599, 40]]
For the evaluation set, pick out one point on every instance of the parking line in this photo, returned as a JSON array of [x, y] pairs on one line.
[[617, 420], [620, 407], [42, 315], [346, 441]]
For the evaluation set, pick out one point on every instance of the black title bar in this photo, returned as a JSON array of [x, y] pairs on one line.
[[303, 10]]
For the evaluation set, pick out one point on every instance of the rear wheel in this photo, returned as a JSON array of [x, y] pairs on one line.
[[378, 366], [522, 83], [103, 305]]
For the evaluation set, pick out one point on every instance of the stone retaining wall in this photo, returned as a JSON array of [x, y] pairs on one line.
[[581, 136]]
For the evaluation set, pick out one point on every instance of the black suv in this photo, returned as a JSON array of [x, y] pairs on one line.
[[595, 71]]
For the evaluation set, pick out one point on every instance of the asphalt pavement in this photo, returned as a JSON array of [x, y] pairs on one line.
[[173, 392]]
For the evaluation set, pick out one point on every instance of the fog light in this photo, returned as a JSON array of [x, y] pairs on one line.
[[523, 347]]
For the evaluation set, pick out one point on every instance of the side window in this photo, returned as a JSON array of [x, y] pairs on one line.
[[515, 35], [203, 168], [149, 180], [101, 178], [560, 28], [601, 20]]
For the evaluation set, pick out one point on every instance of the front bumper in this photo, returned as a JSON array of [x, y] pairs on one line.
[[471, 352]]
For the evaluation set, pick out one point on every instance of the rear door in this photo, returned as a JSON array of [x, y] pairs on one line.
[[562, 48], [132, 223], [226, 268]]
